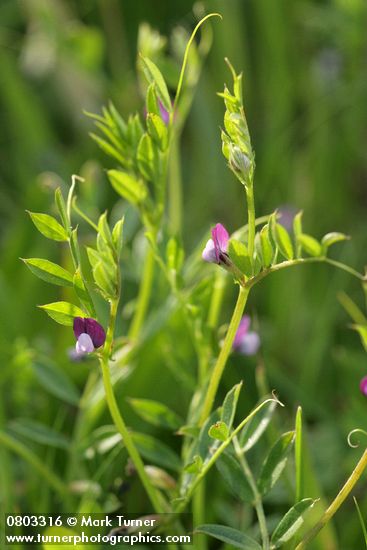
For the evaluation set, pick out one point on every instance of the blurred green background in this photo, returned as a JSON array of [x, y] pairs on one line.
[[305, 84]]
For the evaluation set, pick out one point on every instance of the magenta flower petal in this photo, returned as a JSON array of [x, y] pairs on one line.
[[363, 385], [92, 328], [220, 238], [241, 331], [79, 326], [96, 332]]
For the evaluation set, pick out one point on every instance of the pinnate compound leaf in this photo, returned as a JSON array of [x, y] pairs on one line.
[[62, 312], [291, 522], [275, 462], [228, 535], [49, 271], [49, 226]]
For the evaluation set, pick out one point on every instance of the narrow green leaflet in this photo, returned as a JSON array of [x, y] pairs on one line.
[[40, 433], [291, 522], [238, 253], [283, 241], [297, 230], [63, 312], [275, 462], [310, 245], [219, 430], [117, 236], [154, 75], [235, 478], [129, 187], [267, 251], [157, 130], [154, 450], [104, 230], [151, 100], [231, 536], [230, 405], [147, 157], [83, 294], [156, 413], [61, 207], [49, 271], [331, 238], [252, 432], [49, 226]]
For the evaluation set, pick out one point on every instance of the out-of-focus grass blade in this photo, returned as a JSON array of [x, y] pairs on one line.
[[298, 452], [363, 524]]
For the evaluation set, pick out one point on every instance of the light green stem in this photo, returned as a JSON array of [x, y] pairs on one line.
[[52, 479], [224, 354], [144, 296], [257, 497], [175, 188], [337, 502], [198, 509], [251, 220], [116, 415]]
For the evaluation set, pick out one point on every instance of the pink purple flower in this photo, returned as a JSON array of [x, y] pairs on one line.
[[216, 249], [363, 385], [246, 342], [164, 113], [89, 334]]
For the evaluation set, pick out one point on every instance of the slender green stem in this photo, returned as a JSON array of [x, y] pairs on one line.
[[186, 55], [251, 220], [144, 295], [224, 353], [257, 497], [300, 261], [116, 415], [337, 502], [52, 479]]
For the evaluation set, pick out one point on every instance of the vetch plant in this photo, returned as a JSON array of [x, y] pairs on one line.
[[142, 152]]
